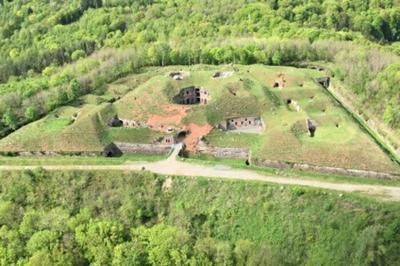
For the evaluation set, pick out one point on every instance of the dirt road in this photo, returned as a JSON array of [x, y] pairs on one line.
[[171, 166]]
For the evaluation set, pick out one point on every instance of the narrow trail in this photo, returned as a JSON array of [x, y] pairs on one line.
[[171, 166]]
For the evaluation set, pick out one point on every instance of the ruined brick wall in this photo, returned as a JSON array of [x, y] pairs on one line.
[[158, 149]]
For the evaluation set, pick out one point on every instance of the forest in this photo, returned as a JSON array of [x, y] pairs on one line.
[[120, 218], [49, 59]]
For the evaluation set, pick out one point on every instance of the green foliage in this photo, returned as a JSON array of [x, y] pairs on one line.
[[32, 113], [10, 119], [45, 240], [299, 128], [77, 54], [165, 245], [122, 218], [98, 240], [275, 100]]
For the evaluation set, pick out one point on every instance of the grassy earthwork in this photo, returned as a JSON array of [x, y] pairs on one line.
[[147, 97]]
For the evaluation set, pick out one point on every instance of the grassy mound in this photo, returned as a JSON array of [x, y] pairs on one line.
[[149, 99]]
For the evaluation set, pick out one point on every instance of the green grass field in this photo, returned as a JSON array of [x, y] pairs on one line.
[[339, 140]]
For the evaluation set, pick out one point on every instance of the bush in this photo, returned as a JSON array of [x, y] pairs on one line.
[[299, 128], [77, 54]]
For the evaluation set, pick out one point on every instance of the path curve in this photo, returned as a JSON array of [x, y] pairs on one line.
[[171, 166]]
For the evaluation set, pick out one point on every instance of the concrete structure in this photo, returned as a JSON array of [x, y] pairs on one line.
[[324, 81], [225, 74], [240, 123], [115, 122], [312, 126], [293, 104], [168, 140], [178, 75], [193, 95]]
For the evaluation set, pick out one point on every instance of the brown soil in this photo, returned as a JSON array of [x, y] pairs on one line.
[[174, 114], [195, 132]]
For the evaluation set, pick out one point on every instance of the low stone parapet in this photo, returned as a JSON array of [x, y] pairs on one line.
[[51, 153], [232, 153], [159, 149], [326, 169]]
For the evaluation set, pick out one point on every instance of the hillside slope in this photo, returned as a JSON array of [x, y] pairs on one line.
[[247, 92], [44, 61]]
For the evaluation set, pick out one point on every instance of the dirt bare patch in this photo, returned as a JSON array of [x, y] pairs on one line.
[[172, 118], [194, 133], [167, 183]]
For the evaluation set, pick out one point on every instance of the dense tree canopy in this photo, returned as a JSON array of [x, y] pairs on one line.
[[116, 218]]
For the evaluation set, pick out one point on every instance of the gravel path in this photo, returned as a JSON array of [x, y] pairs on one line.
[[171, 166]]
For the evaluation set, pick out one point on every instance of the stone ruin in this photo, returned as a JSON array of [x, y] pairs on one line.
[[324, 81], [133, 123], [232, 153], [115, 122], [225, 74], [294, 104], [178, 75], [280, 81], [193, 95], [312, 126], [168, 140], [120, 122], [240, 123]]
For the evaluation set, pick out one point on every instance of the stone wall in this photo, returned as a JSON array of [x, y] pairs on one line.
[[326, 169], [158, 149], [241, 123], [231, 153], [132, 123], [223, 74], [51, 153]]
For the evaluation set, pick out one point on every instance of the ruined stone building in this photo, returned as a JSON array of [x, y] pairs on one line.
[[251, 122], [193, 95]]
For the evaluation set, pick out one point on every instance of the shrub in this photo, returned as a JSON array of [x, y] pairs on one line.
[[77, 54], [299, 128]]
